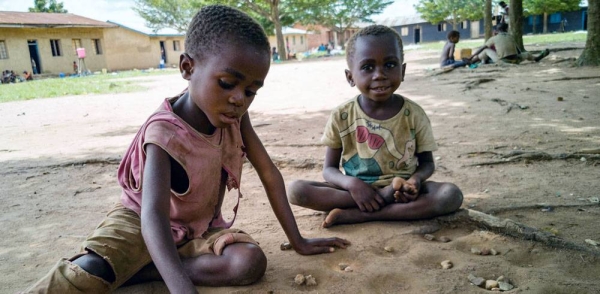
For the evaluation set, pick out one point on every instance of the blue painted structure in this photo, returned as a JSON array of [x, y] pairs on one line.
[[414, 29]]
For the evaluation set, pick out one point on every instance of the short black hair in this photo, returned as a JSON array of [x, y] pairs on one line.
[[215, 23], [372, 30], [502, 3], [452, 34], [502, 27]]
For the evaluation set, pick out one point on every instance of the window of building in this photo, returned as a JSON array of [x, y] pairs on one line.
[[442, 27], [97, 46], [55, 45], [464, 25], [76, 44], [301, 40], [404, 31], [293, 40], [3, 50], [555, 17], [176, 46]]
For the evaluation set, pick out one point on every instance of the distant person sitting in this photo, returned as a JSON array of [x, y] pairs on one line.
[[447, 59], [505, 49], [27, 76]]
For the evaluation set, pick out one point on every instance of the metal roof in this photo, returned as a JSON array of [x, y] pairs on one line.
[[48, 20]]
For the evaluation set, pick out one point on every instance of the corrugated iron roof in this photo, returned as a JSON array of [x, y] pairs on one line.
[[401, 20], [40, 19]]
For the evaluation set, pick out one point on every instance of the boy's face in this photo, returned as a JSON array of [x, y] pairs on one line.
[[376, 68], [455, 39], [223, 84]]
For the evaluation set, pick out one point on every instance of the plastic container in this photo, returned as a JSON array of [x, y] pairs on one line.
[[81, 52]]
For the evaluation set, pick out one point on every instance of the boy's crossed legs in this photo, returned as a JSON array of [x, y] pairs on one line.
[[116, 255], [434, 199]]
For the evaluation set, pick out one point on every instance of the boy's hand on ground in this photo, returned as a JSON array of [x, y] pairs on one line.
[[320, 245], [366, 198]]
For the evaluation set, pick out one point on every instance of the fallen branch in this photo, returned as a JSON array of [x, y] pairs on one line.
[[514, 229], [472, 84], [572, 78], [510, 104], [519, 155], [538, 206]]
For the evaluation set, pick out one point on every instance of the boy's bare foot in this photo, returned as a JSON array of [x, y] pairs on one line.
[[342, 216], [400, 186]]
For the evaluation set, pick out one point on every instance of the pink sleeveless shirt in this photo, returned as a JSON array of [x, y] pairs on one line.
[[202, 157]]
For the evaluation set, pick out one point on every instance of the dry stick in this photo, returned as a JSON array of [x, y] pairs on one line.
[[538, 206], [516, 156], [514, 229], [572, 78], [472, 84]]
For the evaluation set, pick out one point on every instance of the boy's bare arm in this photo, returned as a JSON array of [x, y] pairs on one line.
[[156, 228], [366, 198], [275, 189]]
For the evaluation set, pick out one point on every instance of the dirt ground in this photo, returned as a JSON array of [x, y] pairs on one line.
[[58, 161]]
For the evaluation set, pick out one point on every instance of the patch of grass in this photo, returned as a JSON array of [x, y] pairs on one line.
[[95, 84], [527, 40]]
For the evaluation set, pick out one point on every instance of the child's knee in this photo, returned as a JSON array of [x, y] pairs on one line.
[[452, 195], [296, 192], [249, 265]]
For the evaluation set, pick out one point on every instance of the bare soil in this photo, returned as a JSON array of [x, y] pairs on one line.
[[58, 161]]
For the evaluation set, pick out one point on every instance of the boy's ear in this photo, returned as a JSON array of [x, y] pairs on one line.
[[403, 71], [349, 78], [186, 66]]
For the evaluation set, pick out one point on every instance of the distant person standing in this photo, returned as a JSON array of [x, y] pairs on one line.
[[75, 67], [504, 12], [34, 67], [563, 25]]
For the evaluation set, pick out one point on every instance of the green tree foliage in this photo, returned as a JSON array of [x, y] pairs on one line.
[[340, 15], [591, 54], [47, 6], [546, 7], [454, 11], [174, 14]]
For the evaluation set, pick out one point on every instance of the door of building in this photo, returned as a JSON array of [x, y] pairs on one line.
[[34, 56], [417, 35], [475, 33]]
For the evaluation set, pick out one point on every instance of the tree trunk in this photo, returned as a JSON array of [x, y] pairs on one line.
[[516, 21], [591, 54], [487, 19], [283, 54], [545, 23]]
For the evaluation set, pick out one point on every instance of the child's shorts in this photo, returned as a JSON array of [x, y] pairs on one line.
[[118, 239]]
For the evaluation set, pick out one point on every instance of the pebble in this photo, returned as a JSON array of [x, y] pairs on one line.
[[299, 279], [445, 239], [285, 246], [348, 269], [477, 281], [489, 284], [559, 98], [388, 249], [583, 159], [475, 250], [494, 252], [501, 279], [504, 286], [446, 264], [495, 289], [485, 251], [591, 242], [310, 281], [343, 266], [429, 237]]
